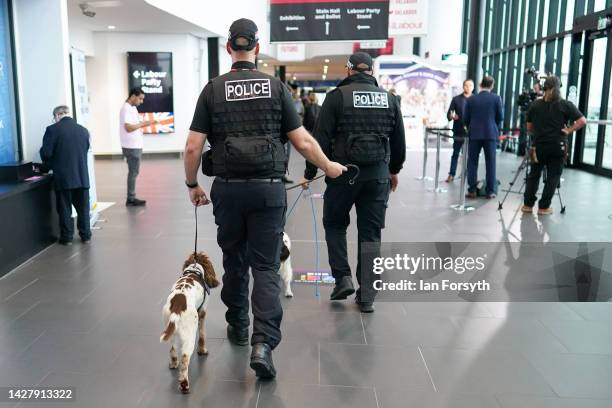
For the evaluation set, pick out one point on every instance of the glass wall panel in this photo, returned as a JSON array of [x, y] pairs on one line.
[[595, 94]]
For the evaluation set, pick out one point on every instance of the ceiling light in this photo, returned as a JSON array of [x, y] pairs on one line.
[[294, 77], [111, 27], [265, 64], [324, 76], [259, 61], [325, 67], [327, 60]]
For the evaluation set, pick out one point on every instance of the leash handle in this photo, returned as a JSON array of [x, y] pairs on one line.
[[357, 172], [351, 180]]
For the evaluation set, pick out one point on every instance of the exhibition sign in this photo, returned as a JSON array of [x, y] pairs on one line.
[[152, 72], [318, 20], [7, 102]]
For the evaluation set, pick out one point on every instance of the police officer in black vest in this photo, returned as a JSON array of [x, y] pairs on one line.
[[247, 116], [359, 124]]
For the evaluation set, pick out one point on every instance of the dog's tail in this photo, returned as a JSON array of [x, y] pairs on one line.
[[169, 330]]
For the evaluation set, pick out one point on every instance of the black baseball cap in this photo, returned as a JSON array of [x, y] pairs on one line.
[[244, 28], [360, 61]]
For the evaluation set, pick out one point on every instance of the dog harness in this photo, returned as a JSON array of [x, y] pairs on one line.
[[197, 270]]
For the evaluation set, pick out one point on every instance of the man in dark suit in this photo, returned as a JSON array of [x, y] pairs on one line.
[[482, 116], [64, 150], [455, 113]]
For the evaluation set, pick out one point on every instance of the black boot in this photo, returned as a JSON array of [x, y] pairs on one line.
[[261, 361], [135, 202], [364, 307], [239, 337], [343, 289]]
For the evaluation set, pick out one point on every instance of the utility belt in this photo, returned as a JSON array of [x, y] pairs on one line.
[[246, 158], [253, 180]]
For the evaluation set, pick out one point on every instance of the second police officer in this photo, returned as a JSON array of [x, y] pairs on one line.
[[359, 124], [247, 116]]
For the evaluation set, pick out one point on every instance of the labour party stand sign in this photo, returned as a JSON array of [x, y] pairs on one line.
[[152, 72]]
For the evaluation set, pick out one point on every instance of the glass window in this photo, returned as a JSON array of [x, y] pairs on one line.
[[594, 103], [533, 31], [600, 5], [489, 46], [565, 60], [8, 119], [521, 72], [542, 57], [516, 36], [569, 14], [607, 148], [545, 20]]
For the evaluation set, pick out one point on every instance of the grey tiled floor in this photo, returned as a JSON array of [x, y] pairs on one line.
[[89, 316]]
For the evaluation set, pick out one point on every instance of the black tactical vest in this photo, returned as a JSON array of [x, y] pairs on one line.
[[368, 118], [246, 126]]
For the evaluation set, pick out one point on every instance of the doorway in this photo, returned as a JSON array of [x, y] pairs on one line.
[[595, 140]]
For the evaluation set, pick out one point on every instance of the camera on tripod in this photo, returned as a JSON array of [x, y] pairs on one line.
[[528, 95]]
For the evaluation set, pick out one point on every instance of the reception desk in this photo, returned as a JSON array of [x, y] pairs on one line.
[[28, 220]]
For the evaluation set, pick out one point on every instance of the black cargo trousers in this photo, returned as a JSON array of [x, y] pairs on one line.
[[370, 198], [250, 218], [551, 158]]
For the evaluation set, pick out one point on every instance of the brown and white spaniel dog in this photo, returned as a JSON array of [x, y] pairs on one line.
[[286, 271], [185, 311]]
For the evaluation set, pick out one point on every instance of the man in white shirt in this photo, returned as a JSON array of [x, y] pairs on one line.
[[130, 131]]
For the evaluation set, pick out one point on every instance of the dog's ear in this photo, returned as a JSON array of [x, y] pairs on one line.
[[210, 277], [189, 261]]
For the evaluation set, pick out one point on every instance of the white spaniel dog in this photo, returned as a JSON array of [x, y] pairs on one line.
[[185, 311]]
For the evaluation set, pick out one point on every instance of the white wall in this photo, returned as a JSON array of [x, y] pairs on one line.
[[43, 69], [82, 39], [108, 86], [217, 17], [443, 29]]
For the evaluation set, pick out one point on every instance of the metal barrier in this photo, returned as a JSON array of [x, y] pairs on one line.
[[440, 133], [425, 146], [461, 206]]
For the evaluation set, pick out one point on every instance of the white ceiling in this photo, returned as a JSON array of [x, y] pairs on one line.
[[129, 16], [139, 16]]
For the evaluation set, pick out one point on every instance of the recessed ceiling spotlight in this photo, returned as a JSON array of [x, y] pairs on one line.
[[265, 64], [294, 77], [111, 27], [260, 61]]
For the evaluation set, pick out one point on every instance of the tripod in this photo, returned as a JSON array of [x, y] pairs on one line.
[[526, 162]]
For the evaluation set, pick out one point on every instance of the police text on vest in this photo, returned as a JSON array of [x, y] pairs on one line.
[[366, 99], [245, 89]]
